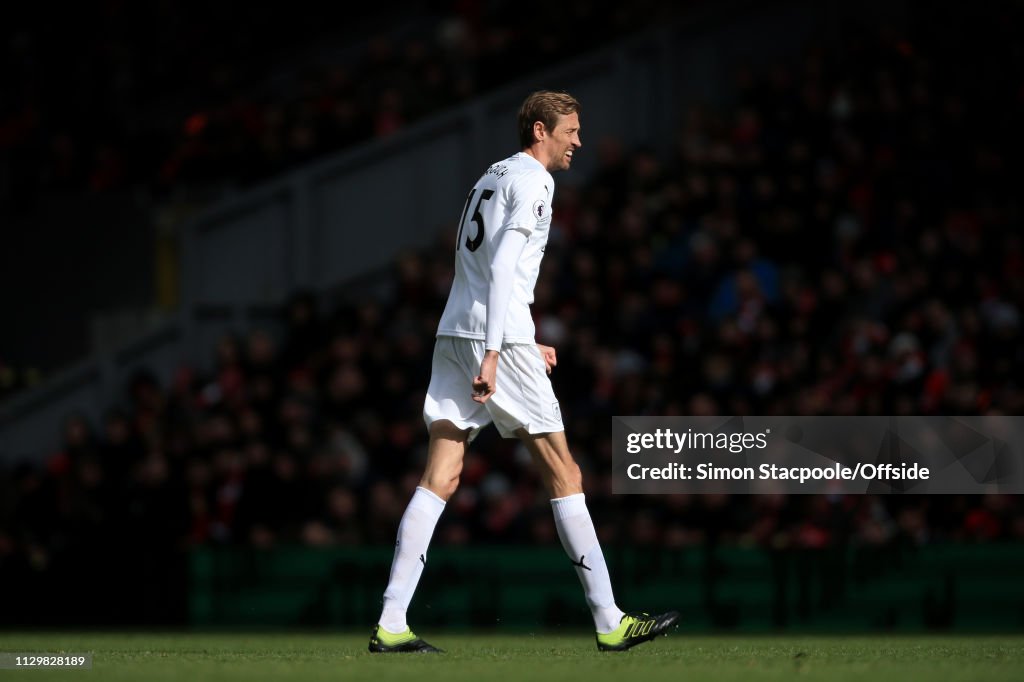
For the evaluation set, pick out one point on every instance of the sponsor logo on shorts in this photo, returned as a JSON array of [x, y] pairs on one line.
[[557, 411]]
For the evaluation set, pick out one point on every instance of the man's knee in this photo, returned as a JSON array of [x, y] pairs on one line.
[[444, 462], [566, 477], [442, 484], [572, 475]]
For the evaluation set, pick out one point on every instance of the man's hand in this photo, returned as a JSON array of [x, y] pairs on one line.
[[483, 384], [548, 353]]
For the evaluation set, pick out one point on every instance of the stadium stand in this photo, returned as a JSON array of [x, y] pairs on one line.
[[843, 240]]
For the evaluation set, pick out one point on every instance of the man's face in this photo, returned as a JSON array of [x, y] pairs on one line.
[[562, 142]]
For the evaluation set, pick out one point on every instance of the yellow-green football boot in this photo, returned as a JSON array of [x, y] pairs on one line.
[[384, 642], [636, 628]]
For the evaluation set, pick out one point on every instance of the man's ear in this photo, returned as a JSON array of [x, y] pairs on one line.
[[539, 131]]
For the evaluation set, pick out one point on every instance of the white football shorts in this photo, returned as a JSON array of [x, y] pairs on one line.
[[523, 397]]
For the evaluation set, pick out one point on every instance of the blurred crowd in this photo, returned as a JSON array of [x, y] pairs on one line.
[[843, 241], [186, 96], [167, 106]]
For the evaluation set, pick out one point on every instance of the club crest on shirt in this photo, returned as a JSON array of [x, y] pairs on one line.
[[540, 208]]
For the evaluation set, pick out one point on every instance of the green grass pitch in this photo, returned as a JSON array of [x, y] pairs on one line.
[[301, 657]]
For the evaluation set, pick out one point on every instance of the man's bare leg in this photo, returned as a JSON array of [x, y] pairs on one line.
[[440, 479], [445, 453], [616, 631], [564, 483]]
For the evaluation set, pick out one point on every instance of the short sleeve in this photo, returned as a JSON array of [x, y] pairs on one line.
[[529, 202]]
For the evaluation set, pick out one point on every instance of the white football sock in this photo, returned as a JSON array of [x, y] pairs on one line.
[[576, 531], [414, 534]]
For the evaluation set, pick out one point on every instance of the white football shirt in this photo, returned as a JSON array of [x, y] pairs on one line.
[[514, 194]]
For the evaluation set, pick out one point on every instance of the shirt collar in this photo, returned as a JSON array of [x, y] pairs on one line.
[[529, 159]]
